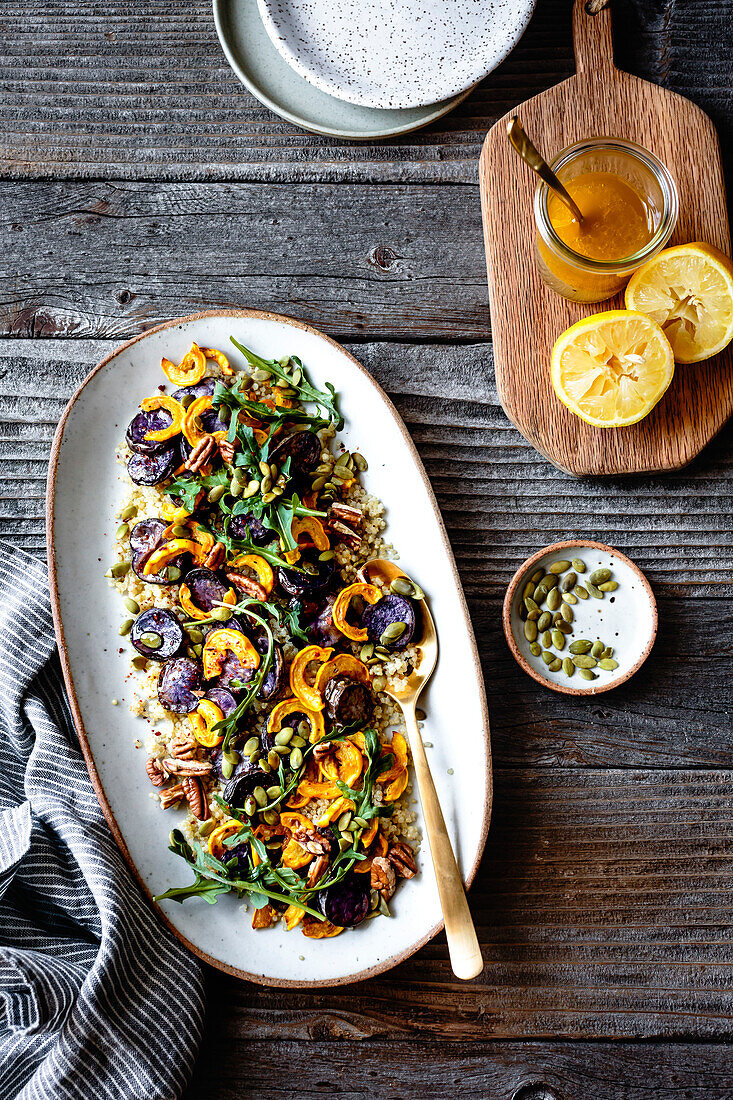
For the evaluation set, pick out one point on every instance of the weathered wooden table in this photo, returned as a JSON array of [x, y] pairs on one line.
[[140, 182]]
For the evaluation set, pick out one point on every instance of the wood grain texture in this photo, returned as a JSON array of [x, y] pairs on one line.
[[603, 906], [238, 1068], [527, 317]]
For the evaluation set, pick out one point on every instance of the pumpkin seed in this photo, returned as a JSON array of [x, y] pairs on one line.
[[383, 907], [119, 569], [540, 594], [546, 639], [260, 796], [173, 574], [549, 580], [608, 586], [283, 750], [122, 530], [392, 633], [608, 664], [250, 806], [569, 598], [196, 636], [152, 641], [544, 621], [360, 462], [251, 745], [284, 736], [252, 488], [265, 767], [535, 649], [298, 742], [555, 665], [597, 649], [548, 657], [206, 827], [568, 582], [608, 651], [561, 566], [267, 498], [229, 761], [587, 674], [180, 532], [366, 651], [260, 375], [266, 484], [581, 592], [402, 586], [568, 667], [132, 605], [599, 576], [420, 714], [584, 661], [530, 604], [296, 759], [530, 631], [578, 565], [558, 639], [284, 362], [582, 645], [274, 792], [271, 817], [273, 759], [593, 591], [198, 650], [235, 488], [379, 683], [343, 460], [128, 512], [324, 468], [221, 614], [139, 662], [274, 471], [553, 599], [126, 626], [326, 555], [528, 590], [567, 612], [214, 495], [562, 626], [537, 577], [381, 652], [344, 821]]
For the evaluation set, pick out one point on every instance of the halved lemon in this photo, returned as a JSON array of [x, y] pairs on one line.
[[688, 290], [612, 368]]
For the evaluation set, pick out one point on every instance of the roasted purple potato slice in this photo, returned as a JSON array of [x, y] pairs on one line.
[[204, 388], [179, 684], [165, 626], [154, 421], [138, 564], [248, 527], [207, 590], [151, 469], [348, 701], [240, 787], [223, 699], [147, 534], [345, 904], [307, 584], [322, 630], [304, 450], [390, 609]]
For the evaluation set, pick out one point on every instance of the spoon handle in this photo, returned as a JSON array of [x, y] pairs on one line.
[[465, 953]]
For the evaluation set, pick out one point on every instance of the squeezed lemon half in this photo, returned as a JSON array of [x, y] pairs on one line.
[[688, 290], [611, 369]]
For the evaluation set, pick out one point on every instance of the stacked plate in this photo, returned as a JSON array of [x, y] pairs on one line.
[[364, 69]]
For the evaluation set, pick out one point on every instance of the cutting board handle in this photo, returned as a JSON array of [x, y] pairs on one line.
[[592, 40]]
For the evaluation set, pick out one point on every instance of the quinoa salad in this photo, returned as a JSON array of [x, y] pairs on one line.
[[259, 650]]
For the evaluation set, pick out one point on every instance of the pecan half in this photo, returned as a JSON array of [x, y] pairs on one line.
[[316, 871], [156, 775], [215, 556], [202, 453], [183, 747], [196, 798], [322, 750], [346, 513], [250, 587], [313, 841], [186, 767], [383, 878], [402, 858], [226, 450], [171, 795], [345, 534]]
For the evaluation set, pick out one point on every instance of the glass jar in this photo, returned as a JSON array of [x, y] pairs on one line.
[[579, 277]]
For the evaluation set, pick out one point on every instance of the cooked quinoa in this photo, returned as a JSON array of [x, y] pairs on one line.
[[209, 556]]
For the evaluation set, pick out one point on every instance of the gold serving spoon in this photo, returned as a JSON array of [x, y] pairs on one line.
[[519, 141], [465, 953]]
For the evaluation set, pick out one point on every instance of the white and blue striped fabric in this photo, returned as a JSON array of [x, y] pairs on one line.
[[97, 1000]]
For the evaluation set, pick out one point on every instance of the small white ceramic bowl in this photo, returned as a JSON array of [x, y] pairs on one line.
[[625, 619]]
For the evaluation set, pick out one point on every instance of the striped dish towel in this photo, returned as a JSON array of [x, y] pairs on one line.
[[89, 979]]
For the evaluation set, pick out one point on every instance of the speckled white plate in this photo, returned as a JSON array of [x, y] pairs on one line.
[[395, 53], [268, 76], [625, 619], [83, 493]]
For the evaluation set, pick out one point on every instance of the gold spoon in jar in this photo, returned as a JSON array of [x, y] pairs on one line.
[[465, 953], [519, 141]]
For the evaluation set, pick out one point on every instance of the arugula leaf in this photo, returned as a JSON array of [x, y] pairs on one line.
[[307, 393]]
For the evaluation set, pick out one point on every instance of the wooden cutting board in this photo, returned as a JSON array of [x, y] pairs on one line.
[[527, 317]]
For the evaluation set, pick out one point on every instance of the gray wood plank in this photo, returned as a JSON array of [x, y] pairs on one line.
[[237, 1068], [603, 906], [124, 91]]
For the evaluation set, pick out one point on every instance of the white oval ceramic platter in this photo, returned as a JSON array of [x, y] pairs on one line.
[[85, 485], [395, 53]]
